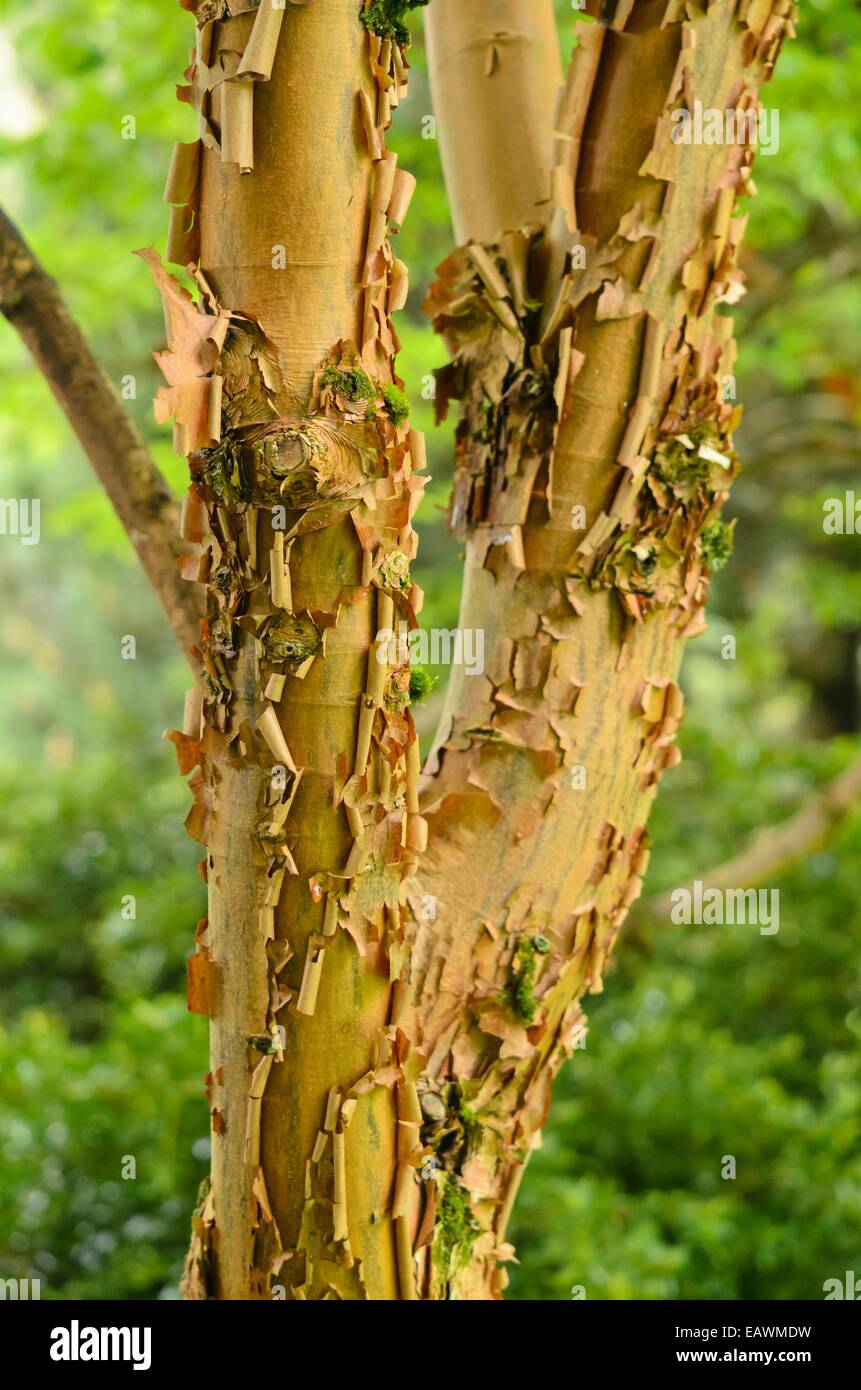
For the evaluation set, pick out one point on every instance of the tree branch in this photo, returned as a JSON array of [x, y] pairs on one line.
[[141, 498], [773, 849]]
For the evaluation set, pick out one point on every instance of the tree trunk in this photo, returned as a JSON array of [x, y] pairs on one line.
[[608, 410], [386, 1021], [308, 750]]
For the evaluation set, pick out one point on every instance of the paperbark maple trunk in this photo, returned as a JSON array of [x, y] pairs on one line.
[[308, 757], [380, 1072], [594, 455]]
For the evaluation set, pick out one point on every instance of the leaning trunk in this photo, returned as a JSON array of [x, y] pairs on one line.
[[594, 366]]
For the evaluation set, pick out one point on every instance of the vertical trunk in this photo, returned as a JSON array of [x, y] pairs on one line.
[[302, 489]]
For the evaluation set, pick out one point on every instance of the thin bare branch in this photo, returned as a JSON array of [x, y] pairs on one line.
[[145, 505], [774, 849]]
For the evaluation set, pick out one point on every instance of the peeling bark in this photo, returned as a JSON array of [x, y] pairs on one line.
[[305, 474], [378, 1080], [588, 381]]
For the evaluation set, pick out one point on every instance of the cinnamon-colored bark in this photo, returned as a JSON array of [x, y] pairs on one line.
[[388, 1016], [602, 400], [393, 982]]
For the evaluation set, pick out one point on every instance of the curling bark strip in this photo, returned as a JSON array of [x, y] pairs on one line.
[[380, 1075]]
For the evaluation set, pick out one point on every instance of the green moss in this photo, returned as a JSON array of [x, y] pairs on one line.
[[519, 993], [716, 542], [471, 1125], [386, 18], [421, 684], [351, 384], [223, 473], [677, 464], [680, 465], [396, 403], [456, 1227]]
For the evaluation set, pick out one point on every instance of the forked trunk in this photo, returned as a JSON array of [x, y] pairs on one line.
[[387, 1019]]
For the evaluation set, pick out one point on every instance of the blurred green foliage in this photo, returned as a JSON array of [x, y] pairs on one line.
[[708, 1041]]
